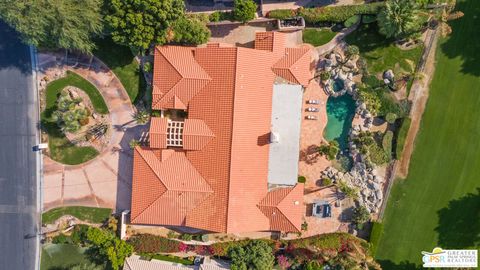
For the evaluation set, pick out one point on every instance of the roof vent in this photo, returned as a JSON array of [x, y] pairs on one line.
[[296, 203], [274, 137]]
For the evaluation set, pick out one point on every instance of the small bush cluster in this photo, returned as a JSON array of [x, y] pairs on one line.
[[147, 243], [302, 179], [338, 14], [352, 21], [219, 16], [329, 150], [281, 14]]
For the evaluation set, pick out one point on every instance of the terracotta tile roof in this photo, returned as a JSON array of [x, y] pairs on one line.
[[270, 41], [294, 66], [224, 160], [196, 134], [178, 77], [158, 132], [284, 208], [171, 183]]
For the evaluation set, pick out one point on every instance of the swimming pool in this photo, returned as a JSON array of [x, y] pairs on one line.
[[337, 85], [340, 113]]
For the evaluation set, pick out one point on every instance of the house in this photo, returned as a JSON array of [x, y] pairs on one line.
[[224, 156]]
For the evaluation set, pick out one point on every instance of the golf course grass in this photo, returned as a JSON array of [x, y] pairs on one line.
[[439, 202]]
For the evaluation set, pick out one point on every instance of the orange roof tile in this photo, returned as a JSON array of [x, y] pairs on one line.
[[158, 132], [294, 66], [196, 134], [227, 92], [284, 208]]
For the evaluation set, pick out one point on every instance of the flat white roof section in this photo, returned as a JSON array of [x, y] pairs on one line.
[[286, 123]]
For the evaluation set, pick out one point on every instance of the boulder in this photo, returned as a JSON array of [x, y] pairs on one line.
[[389, 75]]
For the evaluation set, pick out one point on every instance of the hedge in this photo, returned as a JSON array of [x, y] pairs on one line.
[[351, 21], [281, 14], [401, 136], [387, 142], [148, 243], [375, 234], [338, 14]]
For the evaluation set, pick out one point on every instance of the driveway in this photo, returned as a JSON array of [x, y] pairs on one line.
[[19, 165], [104, 181]]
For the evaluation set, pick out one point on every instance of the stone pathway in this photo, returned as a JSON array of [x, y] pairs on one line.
[[104, 181]]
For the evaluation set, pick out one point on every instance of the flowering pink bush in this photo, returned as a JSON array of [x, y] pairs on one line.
[[283, 262], [182, 247]]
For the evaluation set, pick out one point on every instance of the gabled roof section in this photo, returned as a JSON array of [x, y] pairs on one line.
[[196, 134], [177, 77], [294, 66], [284, 208], [158, 132], [165, 180]]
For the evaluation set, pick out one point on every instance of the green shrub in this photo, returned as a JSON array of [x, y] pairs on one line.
[[401, 137], [186, 237], [377, 155], [360, 215], [369, 18], [371, 81], [302, 179], [189, 31], [387, 142], [329, 150], [62, 239], [325, 76], [147, 67], [391, 118], [153, 244], [351, 21], [244, 10], [337, 14], [375, 235], [219, 16], [281, 14], [79, 234], [327, 182]]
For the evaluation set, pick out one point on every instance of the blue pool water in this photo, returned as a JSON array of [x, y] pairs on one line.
[[340, 112], [337, 85]]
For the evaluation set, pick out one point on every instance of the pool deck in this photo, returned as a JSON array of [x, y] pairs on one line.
[[312, 134]]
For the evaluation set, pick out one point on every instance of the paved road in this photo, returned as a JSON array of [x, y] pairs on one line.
[[18, 163]]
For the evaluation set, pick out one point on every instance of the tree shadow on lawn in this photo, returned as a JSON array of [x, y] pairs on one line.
[[462, 42], [405, 265], [459, 222]]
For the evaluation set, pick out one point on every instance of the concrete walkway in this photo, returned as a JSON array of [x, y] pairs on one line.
[[104, 181]]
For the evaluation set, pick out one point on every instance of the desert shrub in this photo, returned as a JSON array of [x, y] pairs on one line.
[[387, 142], [281, 14], [352, 20], [390, 118], [327, 181], [377, 155], [337, 14], [325, 76], [360, 215], [329, 150], [349, 191], [153, 244], [375, 234], [302, 179], [402, 136]]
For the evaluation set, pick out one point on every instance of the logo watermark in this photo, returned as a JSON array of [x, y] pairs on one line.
[[465, 258]]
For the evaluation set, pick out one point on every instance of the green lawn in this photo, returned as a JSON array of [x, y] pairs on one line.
[[381, 53], [62, 257], [89, 214], [318, 37], [439, 202], [61, 149], [122, 62]]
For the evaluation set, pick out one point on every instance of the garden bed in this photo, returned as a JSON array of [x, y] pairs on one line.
[[61, 149], [87, 214]]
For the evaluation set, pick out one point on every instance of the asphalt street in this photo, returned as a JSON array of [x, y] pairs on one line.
[[19, 213]]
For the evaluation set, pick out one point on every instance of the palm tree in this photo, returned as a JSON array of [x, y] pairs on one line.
[[141, 117], [398, 19]]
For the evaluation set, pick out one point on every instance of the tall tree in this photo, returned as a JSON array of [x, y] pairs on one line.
[[141, 23], [398, 19], [190, 31], [68, 24], [256, 254]]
